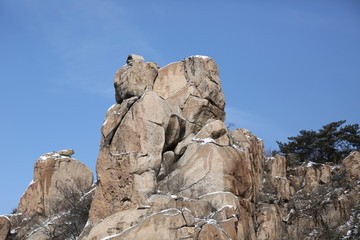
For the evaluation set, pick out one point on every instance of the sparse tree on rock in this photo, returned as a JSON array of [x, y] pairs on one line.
[[331, 143]]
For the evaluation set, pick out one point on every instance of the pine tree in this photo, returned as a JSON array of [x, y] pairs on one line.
[[331, 143]]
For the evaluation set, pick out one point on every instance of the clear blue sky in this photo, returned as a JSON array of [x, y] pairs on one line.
[[284, 65]]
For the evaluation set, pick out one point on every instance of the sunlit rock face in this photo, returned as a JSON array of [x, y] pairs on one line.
[[52, 172], [168, 167]]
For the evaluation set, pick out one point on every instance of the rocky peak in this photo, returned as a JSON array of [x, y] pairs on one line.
[[167, 155], [50, 171], [168, 168]]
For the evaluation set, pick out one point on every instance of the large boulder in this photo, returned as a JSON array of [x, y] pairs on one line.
[[5, 226], [351, 164], [52, 173], [168, 167], [135, 78]]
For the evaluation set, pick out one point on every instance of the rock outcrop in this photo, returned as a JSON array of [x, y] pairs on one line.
[[168, 168], [5, 227], [58, 180], [167, 157], [52, 172]]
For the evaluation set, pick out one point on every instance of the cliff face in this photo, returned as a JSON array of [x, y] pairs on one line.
[[169, 168], [167, 157]]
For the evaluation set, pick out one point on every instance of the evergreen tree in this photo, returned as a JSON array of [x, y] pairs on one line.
[[331, 143]]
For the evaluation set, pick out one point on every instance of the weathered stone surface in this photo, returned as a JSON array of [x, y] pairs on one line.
[[5, 226], [66, 152], [134, 79], [168, 168], [135, 150], [206, 162], [171, 139], [113, 118], [276, 170], [188, 217], [211, 231], [163, 225], [202, 72], [351, 164], [52, 172], [269, 220], [171, 80], [276, 167], [134, 58], [253, 150], [215, 130]]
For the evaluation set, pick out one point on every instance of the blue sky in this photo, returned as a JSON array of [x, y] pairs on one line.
[[284, 65]]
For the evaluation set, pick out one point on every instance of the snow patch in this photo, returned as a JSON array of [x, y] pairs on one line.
[[211, 221], [204, 140], [200, 56], [112, 106], [212, 193], [310, 164], [237, 147]]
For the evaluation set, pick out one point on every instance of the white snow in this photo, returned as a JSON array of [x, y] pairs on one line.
[[204, 140], [87, 193], [105, 122], [112, 106], [310, 163], [32, 182], [227, 205], [237, 147], [49, 155], [341, 197], [165, 212], [211, 221], [211, 193], [5, 217], [200, 56]]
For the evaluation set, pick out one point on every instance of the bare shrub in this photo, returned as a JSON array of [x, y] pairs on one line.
[[68, 213]]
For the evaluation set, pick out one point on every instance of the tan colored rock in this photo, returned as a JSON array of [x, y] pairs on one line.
[[269, 220], [229, 227], [198, 111], [276, 167], [5, 227], [162, 225], [66, 152], [188, 217], [219, 200], [171, 80], [134, 79], [276, 170], [203, 163], [325, 174], [134, 58], [311, 178], [182, 146], [215, 130], [253, 149], [211, 232], [52, 172], [116, 223], [167, 152], [203, 73], [351, 164], [135, 148], [246, 222], [113, 118]]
